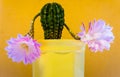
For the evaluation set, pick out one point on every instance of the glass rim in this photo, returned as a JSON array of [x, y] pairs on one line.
[[61, 45]]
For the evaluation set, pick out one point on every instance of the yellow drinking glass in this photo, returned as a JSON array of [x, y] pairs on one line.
[[60, 58]]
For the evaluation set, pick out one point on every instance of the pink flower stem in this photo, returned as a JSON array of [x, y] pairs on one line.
[[72, 34], [31, 31]]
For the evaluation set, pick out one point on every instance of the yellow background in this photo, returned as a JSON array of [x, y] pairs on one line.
[[15, 17]]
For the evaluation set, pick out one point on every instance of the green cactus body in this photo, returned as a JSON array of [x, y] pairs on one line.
[[52, 19]]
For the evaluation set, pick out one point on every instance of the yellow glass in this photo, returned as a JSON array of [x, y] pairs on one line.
[[60, 58]]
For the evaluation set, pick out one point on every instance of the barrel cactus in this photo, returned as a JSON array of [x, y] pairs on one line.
[[52, 21]]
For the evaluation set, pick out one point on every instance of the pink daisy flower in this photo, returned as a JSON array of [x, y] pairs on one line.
[[23, 48], [98, 37]]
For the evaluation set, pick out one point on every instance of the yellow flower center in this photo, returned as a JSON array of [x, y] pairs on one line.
[[25, 46]]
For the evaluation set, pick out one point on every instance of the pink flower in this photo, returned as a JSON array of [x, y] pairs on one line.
[[98, 37], [23, 48]]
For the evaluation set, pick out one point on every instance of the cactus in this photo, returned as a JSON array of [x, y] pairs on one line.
[[52, 19]]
